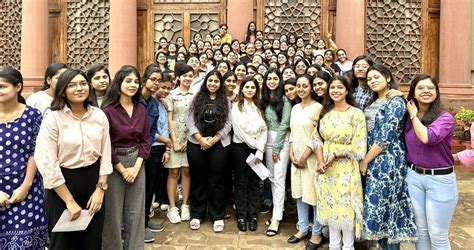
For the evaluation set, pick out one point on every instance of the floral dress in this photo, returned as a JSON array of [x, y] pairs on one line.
[[388, 212], [339, 190], [23, 225]]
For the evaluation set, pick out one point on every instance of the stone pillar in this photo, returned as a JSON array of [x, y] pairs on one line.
[[239, 14], [34, 43], [122, 34], [350, 27], [455, 43]]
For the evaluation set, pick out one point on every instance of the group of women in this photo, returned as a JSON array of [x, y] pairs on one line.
[[365, 161]]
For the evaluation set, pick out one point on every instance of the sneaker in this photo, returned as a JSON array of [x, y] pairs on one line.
[[149, 237], [155, 205], [155, 227], [265, 208], [164, 207], [173, 215], [185, 214]]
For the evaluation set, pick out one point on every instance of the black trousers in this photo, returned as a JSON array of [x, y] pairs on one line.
[[153, 165], [81, 183], [207, 169], [247, 183]]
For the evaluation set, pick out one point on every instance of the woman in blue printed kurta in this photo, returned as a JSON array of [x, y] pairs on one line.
[[388, 212]]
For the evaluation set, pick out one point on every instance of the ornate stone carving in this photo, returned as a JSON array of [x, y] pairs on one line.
[[394, 35], [169, 26], [10, 33], [204, 24]]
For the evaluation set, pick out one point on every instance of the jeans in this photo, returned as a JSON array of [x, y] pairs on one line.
[[152, 165], [434, 199], [303, 218]]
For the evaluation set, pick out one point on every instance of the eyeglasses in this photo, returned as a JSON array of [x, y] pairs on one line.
[[74, 85]]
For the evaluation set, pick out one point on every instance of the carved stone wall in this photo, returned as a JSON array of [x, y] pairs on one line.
[[292, 17], [394, 35], [204, 24], [10, 33], [169, 26], [87, 32]]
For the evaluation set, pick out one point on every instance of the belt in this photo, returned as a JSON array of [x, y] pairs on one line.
[[126, 151], [427, 171]]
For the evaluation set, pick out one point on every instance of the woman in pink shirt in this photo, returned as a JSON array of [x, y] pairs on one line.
[[466, 157]]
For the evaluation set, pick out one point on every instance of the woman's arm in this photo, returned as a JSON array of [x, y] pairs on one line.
[[73, 208], [22, 191], [175, 144]]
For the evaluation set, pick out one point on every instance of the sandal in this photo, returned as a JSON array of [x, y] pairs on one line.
[[218, 226], [195, 224], [272, 231]]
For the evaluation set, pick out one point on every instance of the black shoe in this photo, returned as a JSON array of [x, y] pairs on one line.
[[293, 239], [311, 245], [265, 208], [242, 225], [253, 224]]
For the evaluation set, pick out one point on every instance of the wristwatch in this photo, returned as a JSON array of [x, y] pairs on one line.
[[102, 185]]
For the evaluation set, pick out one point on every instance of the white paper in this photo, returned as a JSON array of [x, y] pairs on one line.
[[65, 224], [259, 168]]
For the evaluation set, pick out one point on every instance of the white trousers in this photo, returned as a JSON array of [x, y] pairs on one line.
[[277, 174], [341, 238]]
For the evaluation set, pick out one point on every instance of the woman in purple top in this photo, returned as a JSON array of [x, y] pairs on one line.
[[431, 179]]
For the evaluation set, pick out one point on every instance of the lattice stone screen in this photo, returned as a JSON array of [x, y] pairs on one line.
[[169, 26], [10, 33], [394, 35], [204, 24], [292, 17], [87, 32]]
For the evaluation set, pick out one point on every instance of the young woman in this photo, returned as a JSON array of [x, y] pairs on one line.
[[304, 116], [200, 46], [194, 62], [344, 64], [466, 157], [235, 44], [250, 34], [99, 77], [312, 69], [223, 67], [257, 60], [338, 186], [130, 147], [162, 60], [250, 136], [301, 66], [291, 52], [240, 71], [319, 60], [320, 84], [192, 49], [209, 127], [431, 179], [163, 45], [230, 83], [178, 103], [282, 61], [197, 37], [42, 99], [362, 93], [218, 57], [290, 91], [216, 42], [226, 48], [75, 149], [232, 58], [329, 64], [22, 211], [277, 110], [388, 213], [180, 41], [258, 47], [288, 73]]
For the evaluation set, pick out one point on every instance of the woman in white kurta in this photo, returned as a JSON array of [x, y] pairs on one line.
[[304, 116]]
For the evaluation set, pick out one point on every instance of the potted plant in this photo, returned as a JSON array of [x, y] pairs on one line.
[[464, 118]]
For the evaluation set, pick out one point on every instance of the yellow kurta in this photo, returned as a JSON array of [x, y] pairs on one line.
[[302, 123], [339, 190]]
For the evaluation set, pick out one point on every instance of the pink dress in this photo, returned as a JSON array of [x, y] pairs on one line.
[[466, 157]]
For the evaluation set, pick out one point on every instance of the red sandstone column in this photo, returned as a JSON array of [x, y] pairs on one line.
[[350, 27], [34, 42], [122, 34], [455, 43], [239, 14]]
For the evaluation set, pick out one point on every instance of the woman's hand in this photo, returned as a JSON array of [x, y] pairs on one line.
[[74, 209], [165, 158], [363, 167], [133, 173], [321, 168], [205, 143], [19, 194], [95, 201], [301, 163], [329, 160], [393, 93], [177, 147], [4, 199], [412, 109]]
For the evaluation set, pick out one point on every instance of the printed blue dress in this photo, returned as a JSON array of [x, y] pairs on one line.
[[22, 225], [388, 210]]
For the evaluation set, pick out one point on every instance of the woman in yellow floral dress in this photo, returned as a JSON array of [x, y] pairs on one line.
[[344, 144]]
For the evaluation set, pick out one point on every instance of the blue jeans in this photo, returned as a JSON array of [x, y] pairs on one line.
[[434, 199], [303, 218]]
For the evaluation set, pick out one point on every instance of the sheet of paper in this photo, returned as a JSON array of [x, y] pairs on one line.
[[65, 224], [259, 168]]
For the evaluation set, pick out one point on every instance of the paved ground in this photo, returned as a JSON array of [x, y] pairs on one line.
[[181, 237]]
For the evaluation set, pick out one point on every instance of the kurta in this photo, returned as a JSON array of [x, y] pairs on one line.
[[302, 124], [339, 190]]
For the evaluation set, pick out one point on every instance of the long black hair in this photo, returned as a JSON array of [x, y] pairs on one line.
[[90, 74], [200, 104], [51, 70], [436, 108], [328, 102], [112, 95], [249, 32], [275, 99], [368, 59], [313, 94], [59, 99], [15, 78], [326, 77], [385, 71], [149, 70]]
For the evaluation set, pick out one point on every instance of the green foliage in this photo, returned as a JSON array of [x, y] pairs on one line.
[[464, 118]]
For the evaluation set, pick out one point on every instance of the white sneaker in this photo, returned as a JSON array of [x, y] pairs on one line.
[[185, 214], [164, 207], [155, 205], [173, 215]]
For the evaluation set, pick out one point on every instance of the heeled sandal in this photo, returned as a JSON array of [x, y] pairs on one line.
[[272, 231]]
